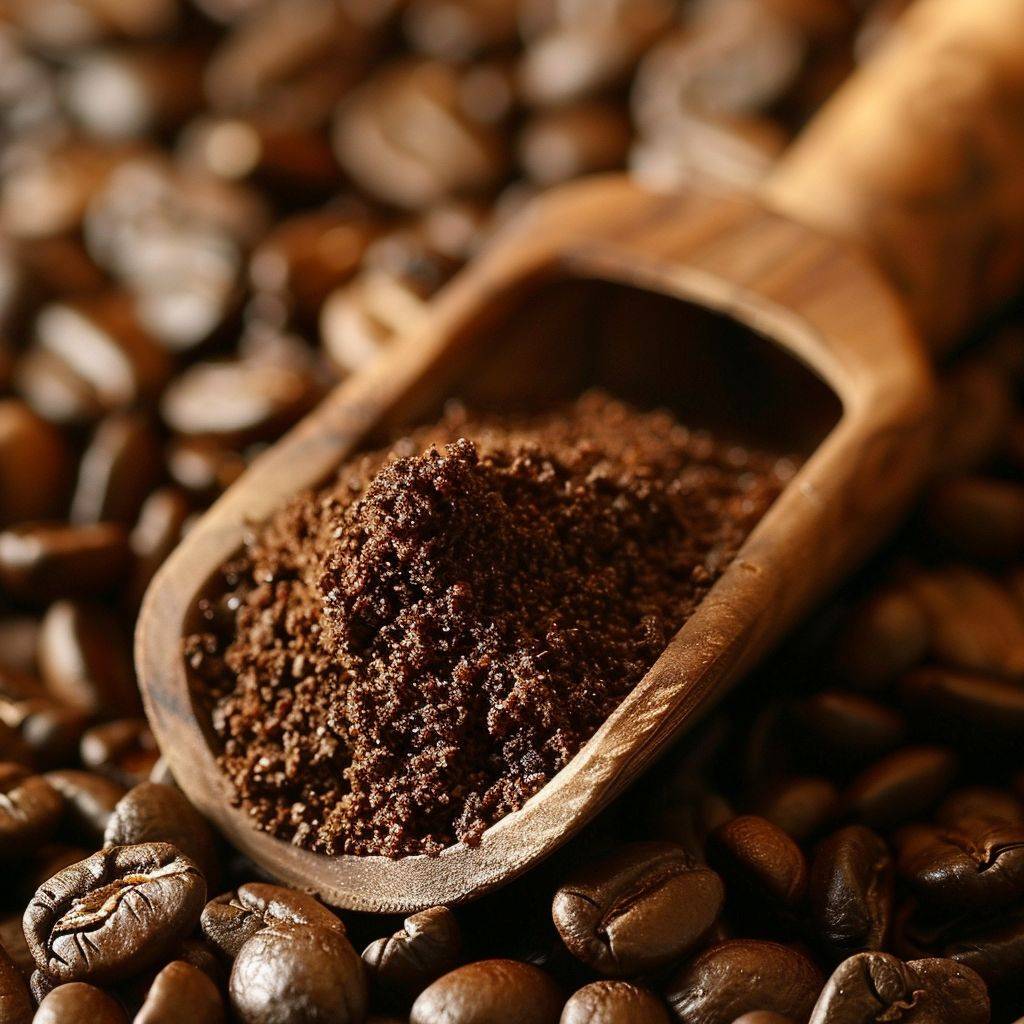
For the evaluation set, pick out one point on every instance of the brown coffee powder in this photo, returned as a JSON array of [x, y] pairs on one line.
[[415, 650]]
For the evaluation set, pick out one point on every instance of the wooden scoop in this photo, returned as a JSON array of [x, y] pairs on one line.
[[736, 312]]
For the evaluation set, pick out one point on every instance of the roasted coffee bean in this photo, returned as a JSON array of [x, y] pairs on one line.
[[638, 909], [51, 731], [16, 1005], [849, 727], [972, 866], [182, 994], [556, 146], [13, 747], [114, 914], [980, 803], [851, 891], [978, 516], [121, 465], [742, 975], [78, 1003], [19, 638], [89, 800], [885, 637], [380, 144], [12, 939], [34, 465], [614, 1002], [30, 810], [151, 813], [759, 860], [763, 1017], [124, 750], [204, 467], [875, 986], [490, 992], [459, 30], [901, 786], [402, 965], [235, 402], [41, 562], [966, 706], [283, 959], [85, 659], [685, 813], [156, 534], [230, 920], [802, 807]]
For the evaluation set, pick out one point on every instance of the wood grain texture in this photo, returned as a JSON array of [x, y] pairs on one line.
[[921, 158], [808, 294]]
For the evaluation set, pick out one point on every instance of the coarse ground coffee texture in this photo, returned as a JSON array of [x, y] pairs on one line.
[[408, 655]]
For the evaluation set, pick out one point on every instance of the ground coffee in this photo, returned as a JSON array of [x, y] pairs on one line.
[[415, 650]]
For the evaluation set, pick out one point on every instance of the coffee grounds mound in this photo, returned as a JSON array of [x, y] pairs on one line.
[[412, 652]]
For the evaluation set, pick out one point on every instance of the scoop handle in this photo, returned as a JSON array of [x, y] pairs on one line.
[[920, 158]]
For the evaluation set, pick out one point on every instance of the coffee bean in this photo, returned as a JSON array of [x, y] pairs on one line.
[[124, 750], [235, 402], [742, 975], [614, 1002], [19, 638], [802, 807], [156, 534], [34, 465], [16, 1006], [182, 994], [872, 986], [41, 562], [30, 810], [849, 727], [230, 920], [151, 813], [204, 467], [283, 959], [51, 731], [89, 800], [981, 803], [490, 992], [759, 860], [966, 706], [12, 747], [114, 914], [762, 1017], [121, 465], [78, 1003], [637, 909], [901, 786], [12, 939], [885, 637], [980, 517], [458, 30], [402, 965], [556, 146], [851, 890], [85, 659], [973, 866]]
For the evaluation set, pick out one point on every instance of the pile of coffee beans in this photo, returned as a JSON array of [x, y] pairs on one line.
[[210, 210]]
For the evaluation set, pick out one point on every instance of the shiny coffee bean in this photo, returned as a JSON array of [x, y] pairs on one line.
[[156, 534], [885, 637], [42, 562], [121, 465], [30, 810], [230, 920], [760, 863], [740, 976], [182, 994], [12, 939], [34, 465], [972, 866], [638, 909], [614, 1002], [802, 807], [763, 1017], [849, 727], [89, 801], [151, 813], [204, 467], [871, 987], [16, 1005], [459, 29], [980, 803], [85, 659], [490, 992], [78, 1003], [402, 965], [966, 705], [556, 146], [851, 891], [124, 750], [283, 959], [901, 786], [51, 731], [133, 903]]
